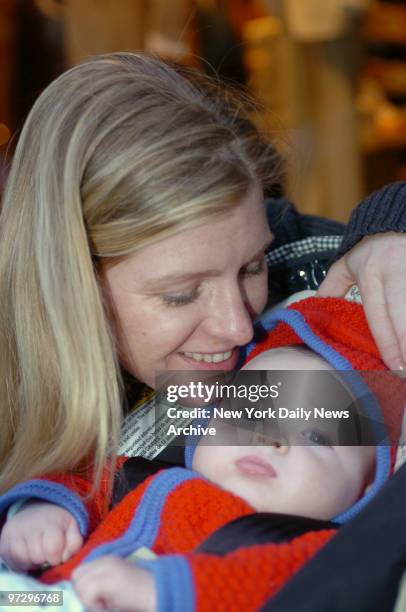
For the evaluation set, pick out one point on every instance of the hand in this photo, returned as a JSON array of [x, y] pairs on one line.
[[111, 582], [377, 264], [39, 533]]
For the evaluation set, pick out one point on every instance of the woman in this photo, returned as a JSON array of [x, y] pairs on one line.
[[132, 236]]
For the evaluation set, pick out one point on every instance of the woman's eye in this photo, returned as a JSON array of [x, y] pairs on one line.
[[254, 268], [316, 438], [180, 299]]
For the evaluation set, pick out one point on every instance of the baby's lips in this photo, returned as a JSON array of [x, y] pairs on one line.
[[255, 466]]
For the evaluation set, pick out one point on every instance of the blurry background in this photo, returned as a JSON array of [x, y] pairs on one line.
[[331, 74]]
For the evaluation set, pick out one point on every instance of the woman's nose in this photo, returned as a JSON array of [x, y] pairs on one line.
[[230, 318]]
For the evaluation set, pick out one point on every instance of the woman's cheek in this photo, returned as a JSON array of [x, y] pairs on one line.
[[261, 300], [179, 327]]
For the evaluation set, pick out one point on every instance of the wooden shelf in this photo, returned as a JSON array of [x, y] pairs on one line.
[[390, 74], [386, 23]]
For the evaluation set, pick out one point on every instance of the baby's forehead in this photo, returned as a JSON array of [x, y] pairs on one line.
[[307, 380], [288, 358]]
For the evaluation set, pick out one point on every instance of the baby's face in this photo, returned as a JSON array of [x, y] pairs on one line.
[[315, 479]]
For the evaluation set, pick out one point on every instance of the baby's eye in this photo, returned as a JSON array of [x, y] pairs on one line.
[[316, 438], [180, 299]]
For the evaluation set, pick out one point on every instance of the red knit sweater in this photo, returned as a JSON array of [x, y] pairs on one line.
[[193, 510]]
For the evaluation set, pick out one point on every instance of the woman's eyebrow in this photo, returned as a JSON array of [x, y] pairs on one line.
[[157, 282], [175, 277]]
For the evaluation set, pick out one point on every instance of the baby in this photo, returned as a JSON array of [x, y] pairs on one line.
[[297, 469], [297, 472]]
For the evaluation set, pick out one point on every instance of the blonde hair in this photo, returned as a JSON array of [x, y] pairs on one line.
[[119, 151]]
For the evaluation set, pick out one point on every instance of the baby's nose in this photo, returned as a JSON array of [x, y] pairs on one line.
[[281, 447]]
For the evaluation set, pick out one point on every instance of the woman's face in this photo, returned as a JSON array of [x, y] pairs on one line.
[[188, 301]]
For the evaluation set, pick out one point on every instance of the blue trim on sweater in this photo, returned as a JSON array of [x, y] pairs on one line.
[[52, 492], [297, 322], [145, 523], [174, 583]]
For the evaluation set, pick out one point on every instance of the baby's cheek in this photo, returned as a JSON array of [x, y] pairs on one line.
[[215, 462], [340, 495], [315, 484], [205, 460]]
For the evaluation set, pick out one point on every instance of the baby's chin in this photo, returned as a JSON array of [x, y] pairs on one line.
[[258, 503]]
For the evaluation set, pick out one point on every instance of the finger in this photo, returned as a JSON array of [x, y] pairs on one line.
[[337, 282], [101, 567], [53, 542], [92, 588], [4, 548], [73, 541], [36, 549], [19, 559], [89, 594], [379, 320], [395, 297]]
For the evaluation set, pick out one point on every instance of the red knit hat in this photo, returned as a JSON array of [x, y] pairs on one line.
[[342, 327]]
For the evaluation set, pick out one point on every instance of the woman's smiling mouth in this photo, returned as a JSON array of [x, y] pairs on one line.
[[226, 360], [209, 357]]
